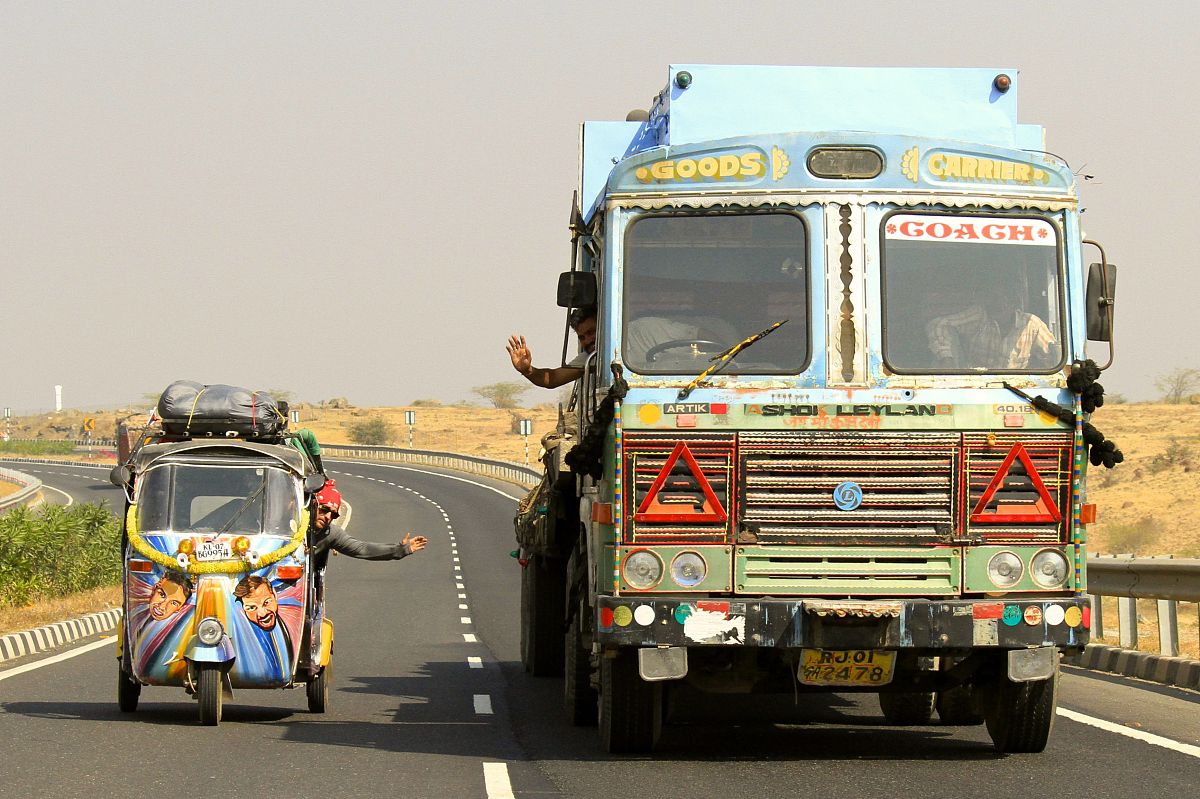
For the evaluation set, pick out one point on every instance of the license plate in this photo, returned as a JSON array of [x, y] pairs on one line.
[[213, 550], [846, 666]]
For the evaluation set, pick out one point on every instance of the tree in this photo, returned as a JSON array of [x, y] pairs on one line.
[[374, 430], [502, 395], [1179, 384]]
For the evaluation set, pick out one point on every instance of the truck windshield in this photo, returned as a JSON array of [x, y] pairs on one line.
[[695, 285], [971, 294], [188, 498]]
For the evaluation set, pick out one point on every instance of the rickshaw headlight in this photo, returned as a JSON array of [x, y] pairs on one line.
[[1049, 568], [209, 631], [1004, 569]]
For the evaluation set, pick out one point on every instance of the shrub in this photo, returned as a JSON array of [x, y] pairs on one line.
[[57, 550], [1176, 455], [37, 447], [1136, 538], [374, 430], [427, 403]]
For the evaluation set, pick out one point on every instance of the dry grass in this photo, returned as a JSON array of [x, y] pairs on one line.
[[8, 488], [60, 608]]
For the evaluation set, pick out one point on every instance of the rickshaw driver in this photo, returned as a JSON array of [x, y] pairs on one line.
[[325, 535]]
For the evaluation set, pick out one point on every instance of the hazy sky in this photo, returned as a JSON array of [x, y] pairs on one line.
[[364, 199]]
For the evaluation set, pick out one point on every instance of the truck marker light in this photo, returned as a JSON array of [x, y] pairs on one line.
[[1033, 615], [1011, 615], [644, 615], [606, 618], [623, 616], [683, 611], [987, 610], [1073, 617], [1055, 615]]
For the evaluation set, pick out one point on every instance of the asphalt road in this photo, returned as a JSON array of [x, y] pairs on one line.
[[409, 714], [67, 485]]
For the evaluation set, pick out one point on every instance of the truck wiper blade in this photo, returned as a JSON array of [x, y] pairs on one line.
[[723, 358]]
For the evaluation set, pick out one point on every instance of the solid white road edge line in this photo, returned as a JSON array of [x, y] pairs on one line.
[[70, 499], [495, 780], [1120, 729], [4, 675], [436, 474]]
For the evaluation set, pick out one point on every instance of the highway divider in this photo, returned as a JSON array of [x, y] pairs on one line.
[[502, 470]]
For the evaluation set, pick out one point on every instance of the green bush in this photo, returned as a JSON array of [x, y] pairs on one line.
[[37, 447], [374, 430], [1137, 538], [57, 550]]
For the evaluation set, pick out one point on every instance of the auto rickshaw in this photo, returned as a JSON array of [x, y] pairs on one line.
[[219, 593]]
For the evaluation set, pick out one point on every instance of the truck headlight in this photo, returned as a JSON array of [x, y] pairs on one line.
[[643, 569], [209, 631], [688, 569], [1049, 568], [1004, 569]]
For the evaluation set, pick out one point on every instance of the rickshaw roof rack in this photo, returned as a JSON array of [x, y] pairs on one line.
[[223, 448]]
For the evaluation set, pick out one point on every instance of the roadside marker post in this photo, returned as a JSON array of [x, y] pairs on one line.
[[410, 419], [526, 428]]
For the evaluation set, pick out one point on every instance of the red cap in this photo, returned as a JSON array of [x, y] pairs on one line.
[[329, 495]]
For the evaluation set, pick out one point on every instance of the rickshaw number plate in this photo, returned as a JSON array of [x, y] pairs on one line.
[[213, 550], [846, 667]]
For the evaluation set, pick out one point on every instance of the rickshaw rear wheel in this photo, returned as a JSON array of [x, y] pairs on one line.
[[318, 691], [208, 691], [128, 691]]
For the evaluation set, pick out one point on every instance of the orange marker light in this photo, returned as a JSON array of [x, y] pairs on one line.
[[241, 545], [141, 566], [289, 572], [187, 546]]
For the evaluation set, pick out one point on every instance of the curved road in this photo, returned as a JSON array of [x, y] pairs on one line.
[[430, 700], [67, 485]]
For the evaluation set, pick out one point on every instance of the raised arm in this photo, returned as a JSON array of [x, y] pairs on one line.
[[522, 361]]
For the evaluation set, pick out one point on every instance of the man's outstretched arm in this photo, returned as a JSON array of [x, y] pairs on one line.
[[522, 361]]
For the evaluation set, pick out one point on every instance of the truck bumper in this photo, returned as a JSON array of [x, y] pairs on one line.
[[843, 624]]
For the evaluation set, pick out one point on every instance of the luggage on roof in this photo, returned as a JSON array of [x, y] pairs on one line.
[[192, 409]]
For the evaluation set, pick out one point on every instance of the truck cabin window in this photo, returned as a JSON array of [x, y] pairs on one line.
[[696, 285], [971, 294], [209, 499]]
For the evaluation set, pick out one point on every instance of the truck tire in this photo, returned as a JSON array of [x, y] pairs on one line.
[[630, 708], [208, 692], [959, 707], [907, 708], [128, 691], [579, 697], [1020, 715], [543, 600]]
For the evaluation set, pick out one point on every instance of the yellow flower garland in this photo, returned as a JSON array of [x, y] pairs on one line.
[[214, 567]]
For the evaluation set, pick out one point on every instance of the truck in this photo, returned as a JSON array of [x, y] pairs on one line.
[[833, 435]]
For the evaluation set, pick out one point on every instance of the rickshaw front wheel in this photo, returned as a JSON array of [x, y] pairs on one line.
[[208, 691], [128, 691], [318, 691]]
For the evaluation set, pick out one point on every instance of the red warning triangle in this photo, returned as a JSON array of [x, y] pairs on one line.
[[1045, 509], [654, 509]]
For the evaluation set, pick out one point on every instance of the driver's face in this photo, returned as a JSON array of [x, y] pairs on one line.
[[586, 331], [325, 515]]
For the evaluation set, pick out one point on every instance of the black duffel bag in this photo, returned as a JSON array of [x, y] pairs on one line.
[[188, 408]]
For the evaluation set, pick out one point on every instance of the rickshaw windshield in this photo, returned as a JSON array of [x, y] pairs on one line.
[[248, 500]]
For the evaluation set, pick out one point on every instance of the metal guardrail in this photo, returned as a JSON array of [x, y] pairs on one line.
[[504, 470], [1167, 580], [31, 486]]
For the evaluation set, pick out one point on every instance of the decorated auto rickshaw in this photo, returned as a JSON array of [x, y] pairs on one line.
[[218, 591]]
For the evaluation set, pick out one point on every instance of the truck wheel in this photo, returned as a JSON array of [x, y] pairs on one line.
[[1020, 715], [317, 690], [630, 708], [579, 697], [208, 692], [543, 590], [959, 707], [128, 691], [907, 708]]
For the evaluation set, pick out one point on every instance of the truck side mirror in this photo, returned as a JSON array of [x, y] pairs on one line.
[[314, 483], [119, 476], [576, 289], [1101, 293]]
